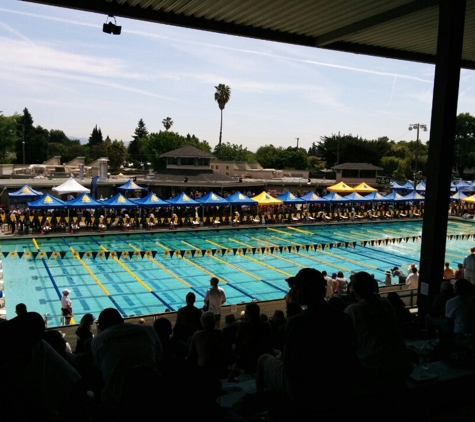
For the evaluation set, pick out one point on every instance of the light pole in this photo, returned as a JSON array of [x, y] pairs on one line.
[[297, 142], [417, 126]]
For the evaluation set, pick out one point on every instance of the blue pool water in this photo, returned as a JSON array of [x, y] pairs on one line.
[[161, 267]]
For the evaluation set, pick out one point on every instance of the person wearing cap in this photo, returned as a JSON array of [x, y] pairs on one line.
[[412, 280], [387, 279], [66, 307], [214, 299], [314, 337], [396, 272]]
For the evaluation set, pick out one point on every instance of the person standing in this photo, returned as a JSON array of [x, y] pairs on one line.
[[412, 280], [469, 266], [66, 307], [214, 299]]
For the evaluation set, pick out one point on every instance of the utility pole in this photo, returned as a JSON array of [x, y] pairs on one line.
[[417, 126], [297, 142]]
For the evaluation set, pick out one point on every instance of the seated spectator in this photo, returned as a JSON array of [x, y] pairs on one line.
[[380, 344], [37, 383], [460, 311], [318, 334], [407, 322], [459, 272], [436, 323], [253, 338], [208, 348], [277, 321], [84, 332], [342, 284], [117, 348]]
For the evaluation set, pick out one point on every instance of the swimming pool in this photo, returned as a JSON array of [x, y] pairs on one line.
[[144, 273]]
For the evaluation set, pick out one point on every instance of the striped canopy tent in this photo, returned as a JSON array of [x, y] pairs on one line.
[[289, 198], [265, 199], [340, 188], [364, 188], [356, 197], [377, 197], [457, 196], [313, 198], [469, 199]]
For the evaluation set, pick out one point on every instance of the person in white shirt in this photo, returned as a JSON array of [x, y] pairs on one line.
[[214, 298], [412, 280], [66, 307]]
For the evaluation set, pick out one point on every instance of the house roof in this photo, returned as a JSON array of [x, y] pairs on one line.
[[356, 166], [189, 152], [398, 29]]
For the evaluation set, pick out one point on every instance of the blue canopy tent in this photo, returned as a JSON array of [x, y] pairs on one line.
[[458, 196], [313, 198], [421, 187], [131, 186], [25, 194], [395, 197], [406, 186], [289, 198], [335, 197], [414, 196], [356, 197], [47, 202], [238, 198], [151, 201], [182, 200], [118, 201], [377, 197], [84, 201]]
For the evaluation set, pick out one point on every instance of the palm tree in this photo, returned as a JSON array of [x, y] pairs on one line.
[[222, 96], [168, 123]]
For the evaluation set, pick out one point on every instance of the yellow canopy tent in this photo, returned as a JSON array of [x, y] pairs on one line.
[[340, 188], [265, 199], [364, 188], [470, 199]]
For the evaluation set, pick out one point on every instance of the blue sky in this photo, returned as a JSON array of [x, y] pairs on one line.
[[71, 76]]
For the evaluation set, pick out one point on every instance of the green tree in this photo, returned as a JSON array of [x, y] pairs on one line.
[[136, 146], [95, 138], [292, 158], [314, 164], [167, 123], [25, 131], [464, 147], [233, 152], [266, 156], [58, 136], [8, 135], [116, 152], [222, 96]]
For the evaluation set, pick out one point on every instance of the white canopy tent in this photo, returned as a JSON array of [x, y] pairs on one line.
[[71, 186]]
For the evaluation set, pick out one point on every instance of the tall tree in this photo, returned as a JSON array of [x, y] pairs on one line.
[[167, 123], [25, 131], [8, 135], [95, 138], [222, 96], [464, 151], [135, 147]]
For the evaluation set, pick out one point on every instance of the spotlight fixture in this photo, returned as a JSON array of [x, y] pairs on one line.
[[111, 28]]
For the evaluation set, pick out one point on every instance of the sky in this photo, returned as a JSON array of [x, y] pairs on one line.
[[71, 76]]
